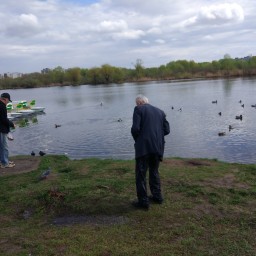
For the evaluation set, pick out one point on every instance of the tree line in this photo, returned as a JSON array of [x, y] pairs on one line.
[[107, 74]]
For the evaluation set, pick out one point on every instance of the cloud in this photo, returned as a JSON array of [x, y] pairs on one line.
[[222, 12], [129, 34], [218, 14], [35, 34], [160, 41], [23, 25], [154, 30], [108, 25], [145, 42]]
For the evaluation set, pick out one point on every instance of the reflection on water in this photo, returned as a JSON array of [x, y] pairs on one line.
[[89, 127]]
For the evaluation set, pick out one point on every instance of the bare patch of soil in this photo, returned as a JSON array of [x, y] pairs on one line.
[[227, 181], [208, 209], [23, 164], [90, 220], [190, 162]]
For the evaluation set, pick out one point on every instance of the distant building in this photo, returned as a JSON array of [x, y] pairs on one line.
[[45, 70], [16, 75], [245, 58], [11, 75]]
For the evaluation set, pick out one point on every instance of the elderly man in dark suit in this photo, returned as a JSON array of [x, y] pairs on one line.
[[148, 130]]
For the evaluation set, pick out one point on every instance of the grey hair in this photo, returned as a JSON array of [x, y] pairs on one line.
[[141, 99]]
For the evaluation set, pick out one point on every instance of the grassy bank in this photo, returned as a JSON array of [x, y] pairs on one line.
[[83, 208]]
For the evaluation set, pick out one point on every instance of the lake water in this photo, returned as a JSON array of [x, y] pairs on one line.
[[89, 129]]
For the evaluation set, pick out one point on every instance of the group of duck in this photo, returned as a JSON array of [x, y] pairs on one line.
[[239, 117], [230, 127], [41, 153]]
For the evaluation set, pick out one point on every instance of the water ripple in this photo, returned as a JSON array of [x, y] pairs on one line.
[[89, 129]]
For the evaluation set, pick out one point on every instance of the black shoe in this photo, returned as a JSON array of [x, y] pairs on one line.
[[138, 205], [155, 200]]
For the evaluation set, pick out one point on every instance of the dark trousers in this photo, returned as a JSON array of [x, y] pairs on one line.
[[144, 163]]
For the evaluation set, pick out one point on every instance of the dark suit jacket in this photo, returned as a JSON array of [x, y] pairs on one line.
[[5, 123], [148, 130]]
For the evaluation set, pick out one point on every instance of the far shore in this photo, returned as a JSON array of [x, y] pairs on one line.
[[141, 80]]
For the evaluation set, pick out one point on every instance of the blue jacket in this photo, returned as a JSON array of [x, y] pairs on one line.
[[148, 130]]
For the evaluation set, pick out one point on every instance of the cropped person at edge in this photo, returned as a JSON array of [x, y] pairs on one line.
[[5, 125], [148, 130]]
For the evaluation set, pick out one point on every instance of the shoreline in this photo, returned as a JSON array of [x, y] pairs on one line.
[[27, 163]]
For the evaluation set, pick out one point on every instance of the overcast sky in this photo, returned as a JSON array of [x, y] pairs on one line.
[[37, 34]]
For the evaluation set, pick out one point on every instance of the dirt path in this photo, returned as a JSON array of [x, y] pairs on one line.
[[22, 164]]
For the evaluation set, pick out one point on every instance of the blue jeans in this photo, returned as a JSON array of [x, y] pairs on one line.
[[4, 153]]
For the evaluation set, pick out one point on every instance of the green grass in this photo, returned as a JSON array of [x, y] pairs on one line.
[[209, 209]]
